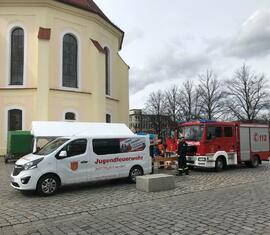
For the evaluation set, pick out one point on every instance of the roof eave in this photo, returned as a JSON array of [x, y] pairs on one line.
[[101, 15]]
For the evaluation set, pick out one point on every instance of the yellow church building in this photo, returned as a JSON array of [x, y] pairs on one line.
[[59, 61]]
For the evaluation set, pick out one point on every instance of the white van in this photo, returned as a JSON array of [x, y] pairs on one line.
[[78, 159]]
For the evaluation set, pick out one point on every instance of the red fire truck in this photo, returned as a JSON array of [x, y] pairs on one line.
[[220, 144]]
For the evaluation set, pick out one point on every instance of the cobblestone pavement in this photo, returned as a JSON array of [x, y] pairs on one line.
[[235, 201]]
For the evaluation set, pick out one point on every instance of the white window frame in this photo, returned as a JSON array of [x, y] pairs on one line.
[[76, 35], [7, 109], [109, 113], [8, 67]]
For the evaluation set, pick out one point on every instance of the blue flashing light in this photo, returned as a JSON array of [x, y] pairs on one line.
[[205, 120]]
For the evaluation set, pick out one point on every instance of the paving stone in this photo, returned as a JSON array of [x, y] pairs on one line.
[[234, 201]]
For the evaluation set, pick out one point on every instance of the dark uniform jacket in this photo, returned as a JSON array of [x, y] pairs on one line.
[[182, 149]]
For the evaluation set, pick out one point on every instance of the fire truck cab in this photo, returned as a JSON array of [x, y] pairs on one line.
[[220, 144]]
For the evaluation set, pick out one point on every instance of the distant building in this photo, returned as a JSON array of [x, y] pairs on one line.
[[148, 123], [59, 61]]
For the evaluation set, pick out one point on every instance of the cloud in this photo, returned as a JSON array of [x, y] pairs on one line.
[[133, 36], [171, 64], [184, 58], [253, 39], [214, 45]]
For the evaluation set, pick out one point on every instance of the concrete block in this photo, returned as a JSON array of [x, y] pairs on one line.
[[155, 183]]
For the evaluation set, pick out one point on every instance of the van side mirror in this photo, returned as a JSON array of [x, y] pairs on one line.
[[62, 154]]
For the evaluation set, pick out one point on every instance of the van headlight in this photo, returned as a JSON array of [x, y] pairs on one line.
[[32, 165]]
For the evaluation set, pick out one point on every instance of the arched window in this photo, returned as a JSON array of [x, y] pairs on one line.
[[70, 116], [108, 118], [70, 62], [14, 119], [17, 56], [107, 71]]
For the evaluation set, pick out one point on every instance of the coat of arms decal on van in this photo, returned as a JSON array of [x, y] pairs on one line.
[[74, 166]]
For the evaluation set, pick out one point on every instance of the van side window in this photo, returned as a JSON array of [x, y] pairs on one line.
[[76, 147], [106, 146], [228, 132], [213, 132]]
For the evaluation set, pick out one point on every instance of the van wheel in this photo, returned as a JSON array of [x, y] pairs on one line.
[[48, 185], [134, 172], [219, 165]]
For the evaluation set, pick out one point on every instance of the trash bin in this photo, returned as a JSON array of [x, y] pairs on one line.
[[19, 143]]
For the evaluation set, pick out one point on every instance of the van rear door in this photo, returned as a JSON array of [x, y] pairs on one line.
[[75, 166], [115, 157]]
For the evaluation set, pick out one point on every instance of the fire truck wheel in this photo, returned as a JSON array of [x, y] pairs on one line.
[[220, 165], [254, 161]]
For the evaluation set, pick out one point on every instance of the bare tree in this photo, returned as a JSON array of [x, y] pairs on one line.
[[265, 116], [155, 105], [172, 103], [211, 95], [189, 101], [247, 94]]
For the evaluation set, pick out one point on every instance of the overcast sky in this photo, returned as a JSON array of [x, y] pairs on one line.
[[168, 41]]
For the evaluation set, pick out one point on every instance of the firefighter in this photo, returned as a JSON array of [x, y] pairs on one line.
[[182, 152], [152, 150]]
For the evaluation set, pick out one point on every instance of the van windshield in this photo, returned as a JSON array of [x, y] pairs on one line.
[[193, 132], [51, 146]]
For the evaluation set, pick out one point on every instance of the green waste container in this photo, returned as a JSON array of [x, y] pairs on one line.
[[19, 143]]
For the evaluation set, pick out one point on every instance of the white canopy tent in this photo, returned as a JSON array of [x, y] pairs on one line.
[[57, 129], [45, 131]]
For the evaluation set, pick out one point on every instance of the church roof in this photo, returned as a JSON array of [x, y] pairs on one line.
[[91, 6]]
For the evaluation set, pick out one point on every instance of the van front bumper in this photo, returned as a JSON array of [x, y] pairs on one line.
[[200, 161], [24, 180]]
